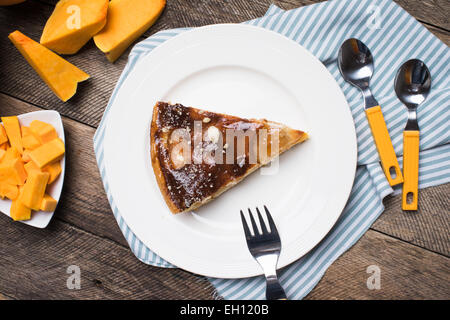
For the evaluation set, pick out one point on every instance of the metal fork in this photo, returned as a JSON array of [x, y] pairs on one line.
[[265, 247]]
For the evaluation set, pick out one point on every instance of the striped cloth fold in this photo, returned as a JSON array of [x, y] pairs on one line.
[[393, 37]]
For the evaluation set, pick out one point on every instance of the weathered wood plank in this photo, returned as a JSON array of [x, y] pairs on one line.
[[3, 297], [407, 272], [442, 35], [84, 205], [34, 267], [428, 228], [433, 12], [34, 262], [88, 104]]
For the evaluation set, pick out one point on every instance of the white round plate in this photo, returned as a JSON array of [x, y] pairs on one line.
[[248, 72]]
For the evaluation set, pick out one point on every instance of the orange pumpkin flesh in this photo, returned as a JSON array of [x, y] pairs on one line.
[[60, 75]]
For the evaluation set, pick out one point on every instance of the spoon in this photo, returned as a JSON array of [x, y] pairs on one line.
[[412, 85], [355, 62]]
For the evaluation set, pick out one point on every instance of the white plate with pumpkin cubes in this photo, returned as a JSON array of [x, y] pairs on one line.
[[32, 166]]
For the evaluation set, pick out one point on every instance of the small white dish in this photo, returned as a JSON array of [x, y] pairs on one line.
[[41, 219]]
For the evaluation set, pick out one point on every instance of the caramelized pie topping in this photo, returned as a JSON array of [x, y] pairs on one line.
[[185, 175]]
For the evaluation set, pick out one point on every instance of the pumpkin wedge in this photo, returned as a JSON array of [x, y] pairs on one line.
[[60, 75], [73, 23], [126, 21]]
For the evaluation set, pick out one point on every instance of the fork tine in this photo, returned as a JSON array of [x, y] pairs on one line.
[[255, 227], [273, 228], [261, 222], [245, 225]]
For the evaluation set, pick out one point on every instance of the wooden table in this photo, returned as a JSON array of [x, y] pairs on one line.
[[412, 250]]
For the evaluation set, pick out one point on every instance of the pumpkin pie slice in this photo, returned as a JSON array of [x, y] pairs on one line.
[[197, 155]]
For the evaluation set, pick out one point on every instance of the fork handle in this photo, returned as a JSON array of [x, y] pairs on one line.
[[268, 263], [274, 291]]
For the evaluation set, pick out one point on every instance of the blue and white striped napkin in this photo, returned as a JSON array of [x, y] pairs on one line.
[[393, 36]]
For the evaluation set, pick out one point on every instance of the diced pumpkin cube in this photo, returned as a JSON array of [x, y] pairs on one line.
[[60, 75], [4, 146], [48, 203], [18, 210], [13, 132], [3, 136], [48, 152], [11, 154], [60, 36], [13, 172], [54, 169], [9, 191], [25, 131], [26, 155], [30, 142], [43, 131], [2, 154], [34, 189], [29, 166]]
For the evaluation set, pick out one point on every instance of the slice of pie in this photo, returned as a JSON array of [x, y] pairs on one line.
[[196, 155]]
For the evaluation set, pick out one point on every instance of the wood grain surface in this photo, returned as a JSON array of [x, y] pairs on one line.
[[406, 272], [88, 104], [411, 250]]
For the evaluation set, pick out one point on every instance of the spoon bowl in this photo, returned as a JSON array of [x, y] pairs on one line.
[[413, 83], [355, 62]]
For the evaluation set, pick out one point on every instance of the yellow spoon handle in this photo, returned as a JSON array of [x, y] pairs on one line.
[[383, 142], [410, 169]]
